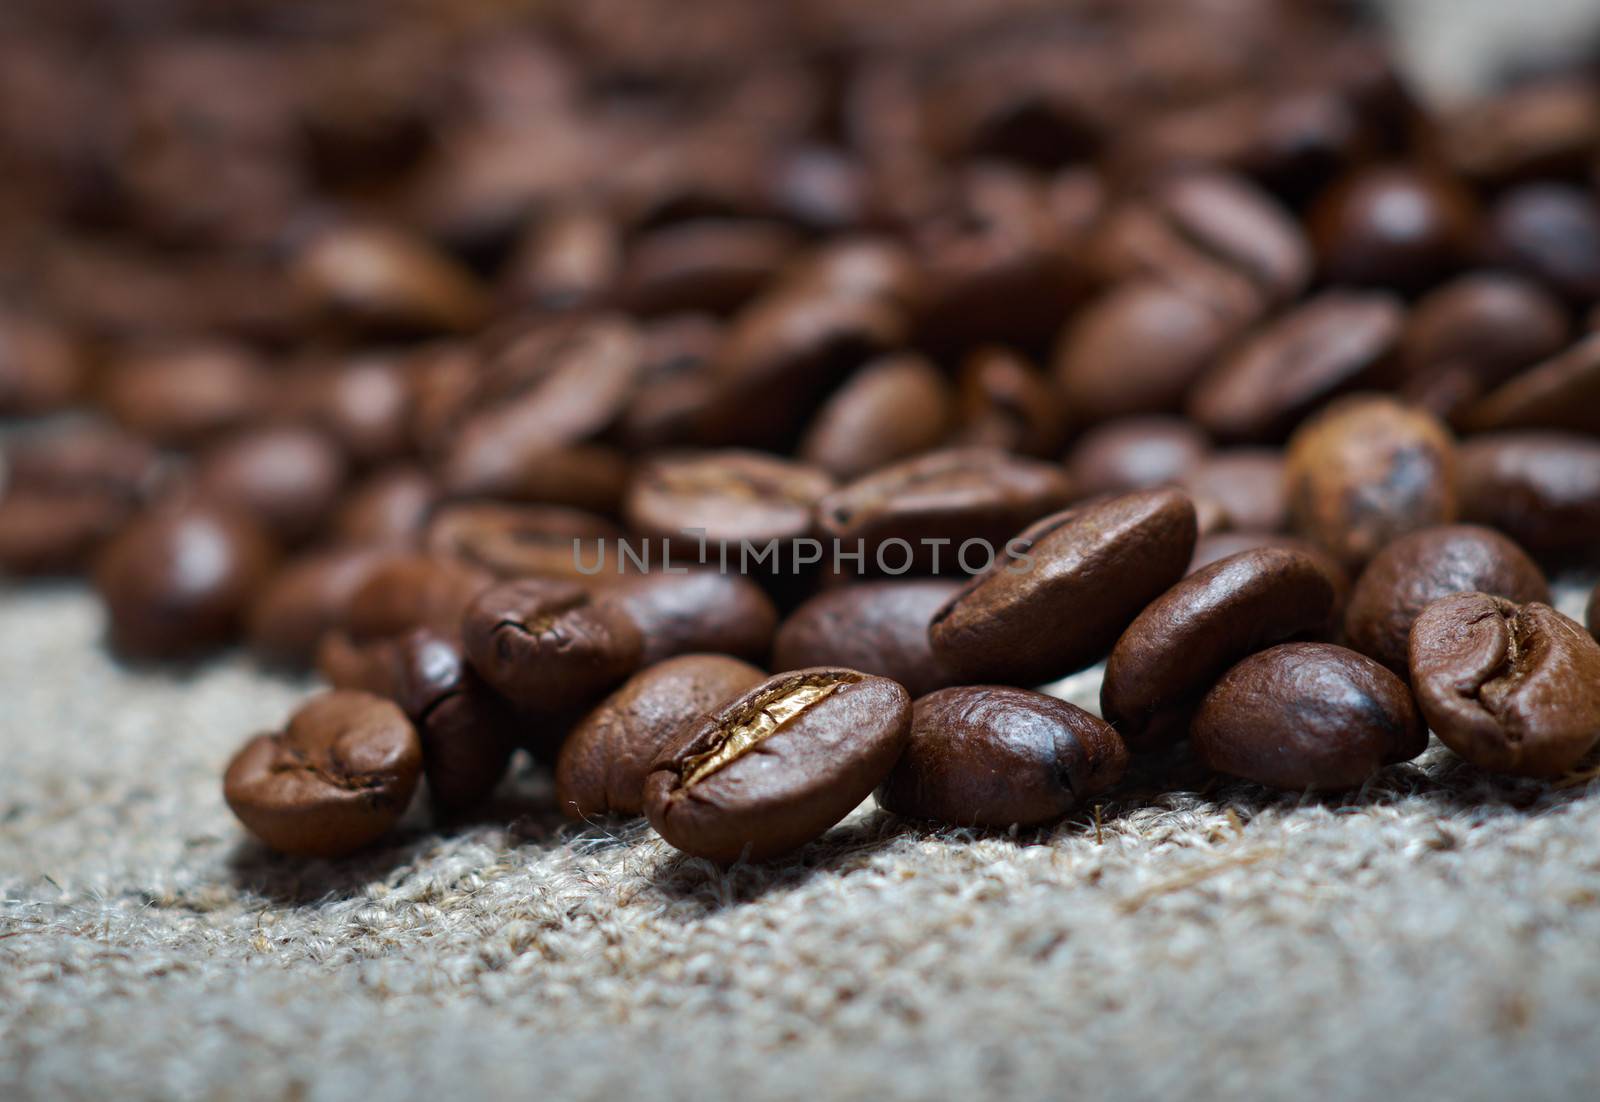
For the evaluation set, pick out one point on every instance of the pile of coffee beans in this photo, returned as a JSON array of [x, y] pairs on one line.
[[742, 408]]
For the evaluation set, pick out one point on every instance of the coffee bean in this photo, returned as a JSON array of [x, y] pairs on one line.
[[1419, 568], [953, 495], [1247, 484], [516, 541], [288, 478], [775, 768], [729, 496], [1089, 572], [1137, 350], [177, 580], [43, 534], [569, 260], [890, 409], [1540, 488], [860, 268], [1365, 471], [1560, 393], [1551, 233], [363, 404], [382, 279], [307, 598], [42, 368], [1004, 402], [710, 264], [547, 647], [408, 591], [880, 628], [701, 611], [1135, 454], [1307, 715], [184, 394], [337, 778], [1338, 341], [1394, 226], [991, 756], [604, 761], [1512, 688], [1184, 640], [388, 509], [1547, 127], [676, 355]]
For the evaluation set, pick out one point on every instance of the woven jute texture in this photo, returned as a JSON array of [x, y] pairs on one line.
[[1431, 936]]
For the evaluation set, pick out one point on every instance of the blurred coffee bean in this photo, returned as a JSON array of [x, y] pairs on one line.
[[676, 354], [382, 279], [307, 598], [1546, 128], [1003, 401], [714, 265], [42, 368], [1540, 488], [890, 409], [363, 404], [723, 497], [1135, 454], [518, 541], [864, 268], [183, 394], [388, 508], [1563, 392], [1394, 226], [414, 590], [1551, 233], [288, 478], [1246, 484], [568, 260]]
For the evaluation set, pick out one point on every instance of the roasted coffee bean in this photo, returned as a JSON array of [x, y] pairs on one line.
[[1540, 488], [1394, 226], [184, 394], [700, 611], [1365, 471], [991, 756], [569, 261], [676, 356], [723, 497], [889, 410], [388, 509], [414, 590], [1419, 568], [1087, 573], [1247, 484], [382, 279], [547, 647], [819, 188], [1551, 233], [364, 405], [288, 478], [42, 368], [518, 541], [1512, 688], [1548, 127], [1137, 350], [1338, 341], [1307, 715], [1560, 393], [775, 768], [1004, 402], [711, 264], [1184, 640], [309, 597], [337, 778], [605, 760], [1135, 454], [861, 268], [879, 628], [177, 580], [951, 496]]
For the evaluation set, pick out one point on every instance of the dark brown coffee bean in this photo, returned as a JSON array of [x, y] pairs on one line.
[[364, 405], [1184, 640], [383, 279], [570, 260], [819, 188], [676, 358], [388, 509], [1005, 402], [723, 497], [604, 761], [1512, 688], [1247, 484], [518, 541], [1540, 488], [1419, 568], [1135, 454], [951, 496], [1087, 573], [580, 476], [889, 410], [1560, 393], [1307, 715], [547, 647], [697, 612], [41, 367], [408, 591], [1551, 233], [1394, 226], [1336, 342], [1547, 128], [288, 478], [184, 394], [89, 458], [1368, 470], [45, 534], [860, 268], [710, 264], [177, 580], [309, 597], [775, 768], [337, 778], [1137, 350], [879, 628], [990, 756]]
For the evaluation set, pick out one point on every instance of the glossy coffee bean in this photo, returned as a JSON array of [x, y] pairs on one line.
[[890, 409], [1135, 454], [1247, 484], [337, 778], [1514, 688], [518, 541], [700, 611], [1365, 471], [1184, 640], [1394, 226], [953, 495], [309, 597], [1137, 350], [1089, 572], [1338, 341], [288, 478], [569, 260], [676, 355], [865, 268], [1419, 568], [710, 264], [364, 405], [383, 279], [729, 496], [877, 627], [1545, 127], [185, 393], [42, 368], [544, 645], [413, 590], [604, 761], [991, 756], [1307, 715], [177, 580], [387, 509], [1540, 488], [1561, 393], [1550, 232], [776, 767]]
